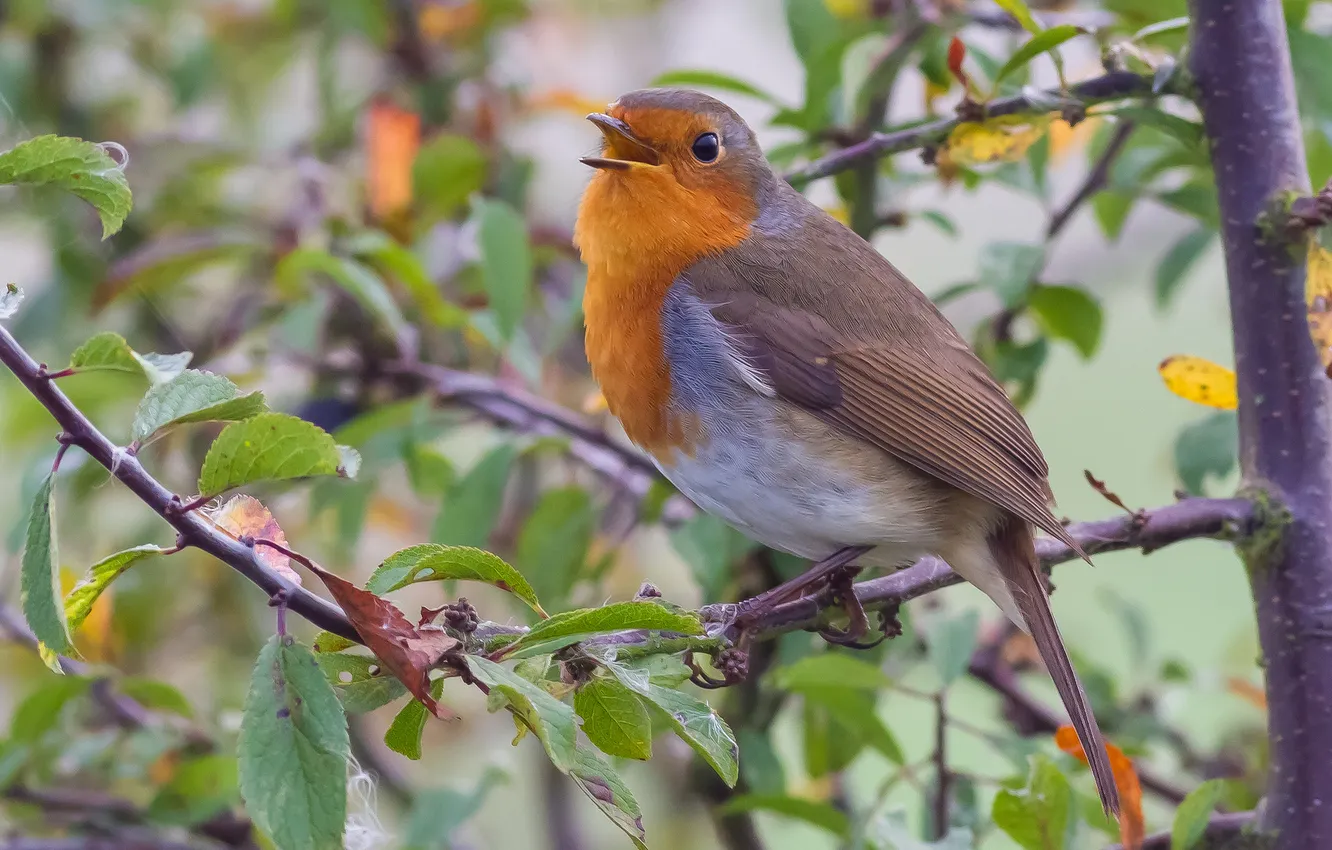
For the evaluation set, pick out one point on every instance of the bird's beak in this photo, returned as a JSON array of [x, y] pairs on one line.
[[624, 150]]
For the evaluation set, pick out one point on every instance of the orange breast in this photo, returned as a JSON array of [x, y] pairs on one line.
[[638, 230]]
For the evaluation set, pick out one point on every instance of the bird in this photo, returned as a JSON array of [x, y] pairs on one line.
[[784, 376]]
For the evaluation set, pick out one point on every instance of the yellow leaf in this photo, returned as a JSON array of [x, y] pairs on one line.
[[840, 213], [1200, 381], [1318, 282], [1066, 138], [1132, 826], [1004, 139], [94, 636], [1320, 330]]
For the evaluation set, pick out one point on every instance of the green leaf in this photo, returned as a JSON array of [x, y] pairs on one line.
[[447, 170], [41, 710], [506, 261], [1018, 9], [391, 258], [952, 640], [822, 815], [199, 789], [1038, 44], [1209, 446], [156, 694], [1041, 815], [329, 642], [549, 719], [552, 547], [889, 831], [360, 681], [468, 514], [110, 352], [710, 547], [702, 79], [1195, 198], [98, 578], [1111, 209], [830, 746], [433, 562], [614, 719], [855, 710], [1194, 812], [819, 39], [293, 750], [761, 767], [270, 446], [1169, 25], [1187, 133], [700, 727], [10, 299], [573, 626], [604, 787], [1068, 313], [356, 279], [1177, 262], [80, 167], [438, 812], [404, 733], [192, 396], [1009, 268], [39, 578], [831, 670]]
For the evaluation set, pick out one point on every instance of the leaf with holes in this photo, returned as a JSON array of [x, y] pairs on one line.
[[409, 653], [39, 579], [572, 626], [109, 352], [82, 168], [192, 396], [433, 562], [293, 750], [80, 600], [701, 728], [361, 682], [10, 299], [614, 718], [267, 447]]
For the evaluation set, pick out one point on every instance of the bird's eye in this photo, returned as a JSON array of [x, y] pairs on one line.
[[707, 148]]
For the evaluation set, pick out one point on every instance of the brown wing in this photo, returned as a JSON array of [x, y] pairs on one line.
[[859, 345]]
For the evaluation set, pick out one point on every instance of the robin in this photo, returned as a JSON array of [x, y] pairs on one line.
[[790, 380]]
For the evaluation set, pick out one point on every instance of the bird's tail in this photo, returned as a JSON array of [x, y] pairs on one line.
[[1014, 552]]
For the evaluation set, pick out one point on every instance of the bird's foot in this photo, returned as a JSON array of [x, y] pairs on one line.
[[841, 588], [808, 583]]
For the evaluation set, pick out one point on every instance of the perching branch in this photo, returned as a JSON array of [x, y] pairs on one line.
[[1116, 85], [1240, 59]]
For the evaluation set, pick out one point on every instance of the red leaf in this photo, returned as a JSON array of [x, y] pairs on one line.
[[409, 653], [1132, 825], [957, 53]]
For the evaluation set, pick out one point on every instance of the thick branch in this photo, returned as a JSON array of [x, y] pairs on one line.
[[1240, 58], [1116, 85]]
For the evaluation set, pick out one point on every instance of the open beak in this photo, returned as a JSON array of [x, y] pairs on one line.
[[624, 150]]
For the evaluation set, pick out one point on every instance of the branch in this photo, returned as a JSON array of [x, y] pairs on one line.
[[1240, 59], [1220, 826], [193, 530], [1096, 179], [1115, 85]]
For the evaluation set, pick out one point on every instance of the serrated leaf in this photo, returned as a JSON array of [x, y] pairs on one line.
[[10, 299], [404, 733], [82, 168], [831, 670], [1200, 381], [1009, 268], [1209, 446], [1193, 814], [1039, 816], [361, 682], [822, 815], [108, 351], [573, 626], [193, 396], [604, 787], [614, 718], [293, 750], [1038, 44], [549, 719], [951, 642], [39, 578], [697, 78], [433, 562], [1068, 313], [506, 261], [1177, 262], [356, 279], [80, 600], [267, 447], [468, 513], [701, 728]]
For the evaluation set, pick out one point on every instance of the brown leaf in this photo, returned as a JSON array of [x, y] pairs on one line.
[[394, 136], [409, 653], [246, 516]]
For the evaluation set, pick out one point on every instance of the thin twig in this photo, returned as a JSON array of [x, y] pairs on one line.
[[1116, 85], [942, 790], [1095, 181]]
